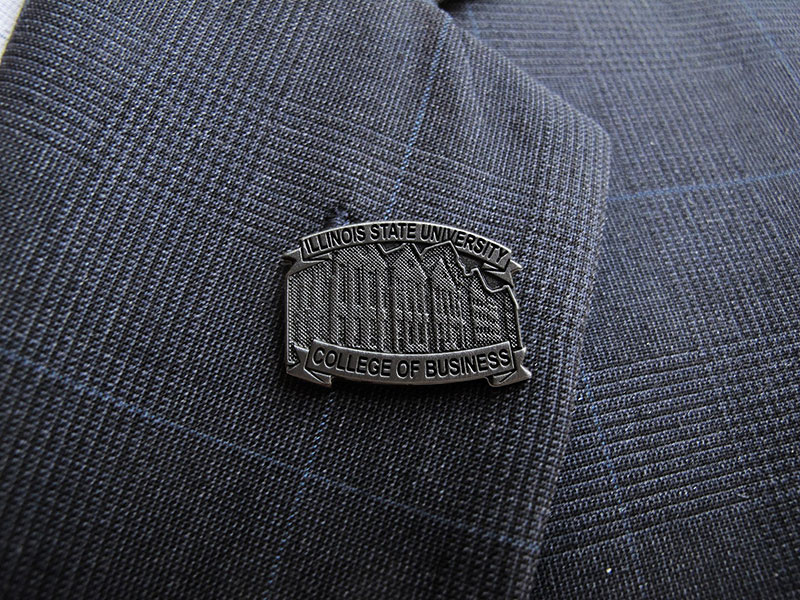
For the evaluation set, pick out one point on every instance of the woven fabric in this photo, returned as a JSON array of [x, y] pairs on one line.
[[682, 474], [156, 159]]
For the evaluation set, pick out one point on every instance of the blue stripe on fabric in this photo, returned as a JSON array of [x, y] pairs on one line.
[[301, 486], [84, 388], [697, 187], [784, 60], [473, 22], [423, 109], [637, 563]]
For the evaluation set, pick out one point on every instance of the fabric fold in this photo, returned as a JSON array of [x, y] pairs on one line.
[[156, 164]]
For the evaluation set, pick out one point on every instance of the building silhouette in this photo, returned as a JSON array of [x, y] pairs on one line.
[[398, 301], [358, 306]]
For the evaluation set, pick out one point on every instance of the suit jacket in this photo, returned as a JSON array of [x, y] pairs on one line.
[[158, 158]]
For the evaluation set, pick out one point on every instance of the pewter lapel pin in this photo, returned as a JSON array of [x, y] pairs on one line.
[[402, 302]]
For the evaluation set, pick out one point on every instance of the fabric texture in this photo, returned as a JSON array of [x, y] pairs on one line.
[[682, 474], [157, 160]]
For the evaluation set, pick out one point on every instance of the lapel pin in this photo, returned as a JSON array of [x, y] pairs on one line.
[[402, 302]]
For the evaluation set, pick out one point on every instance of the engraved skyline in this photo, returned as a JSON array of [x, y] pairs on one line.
[[398, 301]]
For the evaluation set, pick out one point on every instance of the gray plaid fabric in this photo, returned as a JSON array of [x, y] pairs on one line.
[[156, 160], [681, 477]]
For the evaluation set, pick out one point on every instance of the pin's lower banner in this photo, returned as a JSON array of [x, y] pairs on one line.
[[497, 363]]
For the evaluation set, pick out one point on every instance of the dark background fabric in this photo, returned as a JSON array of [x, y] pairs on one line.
[[155, 161], [682, 474], [157, 158]]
